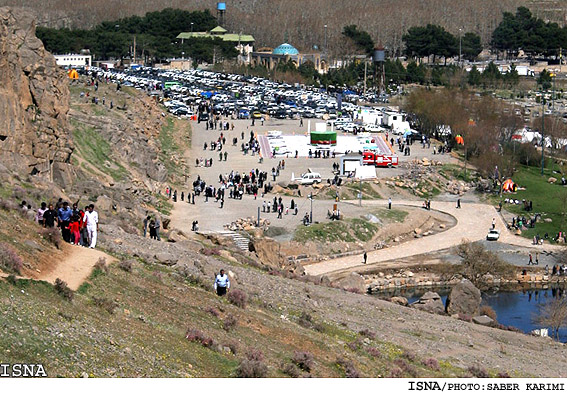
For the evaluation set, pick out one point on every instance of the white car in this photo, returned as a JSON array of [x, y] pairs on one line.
[[308, 178], [493, 235]]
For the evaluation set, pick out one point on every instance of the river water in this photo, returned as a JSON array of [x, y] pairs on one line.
[[516, 308]]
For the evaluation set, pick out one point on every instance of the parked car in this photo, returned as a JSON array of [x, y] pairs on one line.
[[493, 235]]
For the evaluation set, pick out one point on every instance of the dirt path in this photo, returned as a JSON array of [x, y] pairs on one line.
[[473, 223], [74, 267]]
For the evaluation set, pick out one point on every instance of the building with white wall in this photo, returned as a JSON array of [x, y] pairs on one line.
[[73, 60]]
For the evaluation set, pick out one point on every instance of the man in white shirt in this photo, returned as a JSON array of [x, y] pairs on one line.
[[91, 219], [222, 283]]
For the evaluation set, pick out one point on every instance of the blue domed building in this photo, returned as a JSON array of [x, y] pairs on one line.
[[285, 53], [285, 49]]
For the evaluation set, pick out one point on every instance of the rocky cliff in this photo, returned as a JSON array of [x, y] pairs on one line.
[[34, 102]]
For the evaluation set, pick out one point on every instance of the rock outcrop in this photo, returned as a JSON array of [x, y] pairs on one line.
[[430, 302], [464, 299], [34, 102]]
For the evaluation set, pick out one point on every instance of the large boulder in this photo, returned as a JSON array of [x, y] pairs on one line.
[[464, 299], [35, 136], [430, 302], [353, 281], [165, 258]]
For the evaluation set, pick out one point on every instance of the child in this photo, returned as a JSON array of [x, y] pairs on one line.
[[74, 230]]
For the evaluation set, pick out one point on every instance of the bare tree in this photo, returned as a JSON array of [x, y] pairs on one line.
[[553, 314], [477, 262]]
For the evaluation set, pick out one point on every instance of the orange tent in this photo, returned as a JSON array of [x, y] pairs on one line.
[[460, 140], [509, 186], [73, 74]]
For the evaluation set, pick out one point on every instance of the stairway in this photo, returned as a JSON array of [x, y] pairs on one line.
[[240, 241]]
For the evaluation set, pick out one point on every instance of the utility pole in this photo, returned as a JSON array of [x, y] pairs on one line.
[[365, 67], [325, 39], [360, 191], [460, 45], [542, 130], [311, 212]]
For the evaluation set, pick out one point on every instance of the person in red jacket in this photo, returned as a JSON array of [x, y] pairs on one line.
[[74, 229]]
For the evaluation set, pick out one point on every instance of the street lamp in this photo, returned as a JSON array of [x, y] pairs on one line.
[[191, 27], [311, 212], [325, 38]]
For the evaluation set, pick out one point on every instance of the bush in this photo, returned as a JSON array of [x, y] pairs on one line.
[[9, 259], [229, 322], [64, 290], [291, 370], [101, 265], [252, 366], [106, 304], [306, 320], [209, 343], [197, 336], [52, 235], [233, 346], [478, 372], [367, 333], [355, 345], [408, 355], [488, 311], [396, 372], [212, 311], [7, 205], [238, 298], [348, 367], [194, 335], [432, 363], [126, 265], [210, 252], [374, 352], [406, 368], [304, 360], [503, 375]]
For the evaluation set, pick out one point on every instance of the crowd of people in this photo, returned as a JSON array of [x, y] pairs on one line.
[[77, 226]]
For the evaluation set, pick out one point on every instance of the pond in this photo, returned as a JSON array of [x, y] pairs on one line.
[[513, 307]]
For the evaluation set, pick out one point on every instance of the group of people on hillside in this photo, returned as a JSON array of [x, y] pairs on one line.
[[78, 226], [153, 225]]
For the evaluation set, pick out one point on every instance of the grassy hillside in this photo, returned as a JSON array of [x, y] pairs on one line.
[[135, 324]]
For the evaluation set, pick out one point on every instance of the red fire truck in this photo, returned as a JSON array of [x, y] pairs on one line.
[[377, 159]]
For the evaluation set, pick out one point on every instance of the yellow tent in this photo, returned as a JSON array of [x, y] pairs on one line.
[[73, 74]]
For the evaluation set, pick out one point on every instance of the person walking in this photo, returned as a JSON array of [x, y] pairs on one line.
[[530, 262], [91, 218], [40, 212], [458, 203], [365, 258], [222, 283], [493, 223], [64, 217], [158, 225], [389, 202], [49, 217], [146, 223]]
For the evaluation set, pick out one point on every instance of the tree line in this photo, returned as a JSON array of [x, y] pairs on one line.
[[155, 35]]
